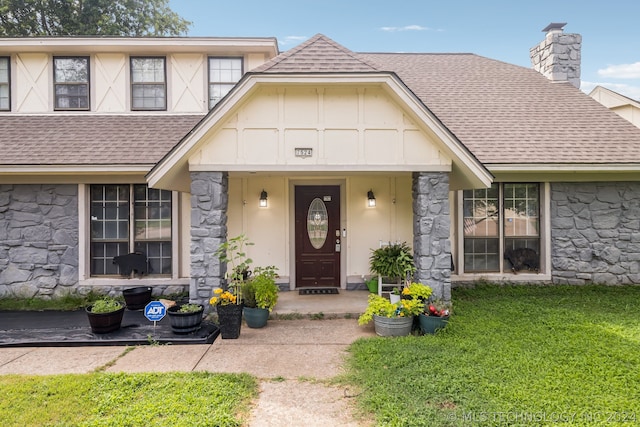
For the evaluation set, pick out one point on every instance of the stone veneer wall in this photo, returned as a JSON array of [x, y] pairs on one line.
[[38, 240], [431, 223], [595, 233], [209, 201], [558, 57]]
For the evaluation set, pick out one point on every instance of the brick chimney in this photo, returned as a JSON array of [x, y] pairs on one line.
[[557, 57]]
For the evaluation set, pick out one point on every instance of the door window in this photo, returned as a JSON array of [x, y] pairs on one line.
[[317, 223]]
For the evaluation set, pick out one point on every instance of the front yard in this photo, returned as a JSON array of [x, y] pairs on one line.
[[525, 355], [511, 356]]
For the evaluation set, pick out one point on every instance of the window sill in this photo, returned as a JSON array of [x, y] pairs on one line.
[[524, 277], [121, 281]]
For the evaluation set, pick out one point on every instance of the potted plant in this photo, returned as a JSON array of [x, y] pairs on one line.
[[229, 311], [137, 298], [394, 295], [434, 316], [393, 263], [260, 295], [105, 315], [418, 291], [228, 301], [232, 252], [390, 319], [185, 318]]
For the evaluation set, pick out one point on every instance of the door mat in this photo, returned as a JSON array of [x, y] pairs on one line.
[[318, 291]]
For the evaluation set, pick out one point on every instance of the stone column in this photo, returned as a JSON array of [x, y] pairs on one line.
[[209, 201], [431, 224]]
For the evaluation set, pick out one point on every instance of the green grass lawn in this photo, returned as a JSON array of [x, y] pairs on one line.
[[516, 355], [103, 399]]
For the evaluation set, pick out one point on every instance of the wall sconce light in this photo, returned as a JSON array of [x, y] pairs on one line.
[[371, 199], [263, 199]]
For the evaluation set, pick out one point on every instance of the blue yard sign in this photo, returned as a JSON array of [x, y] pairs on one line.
[[155, 311]]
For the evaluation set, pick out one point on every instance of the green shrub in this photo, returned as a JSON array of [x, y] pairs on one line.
[[105, 305]]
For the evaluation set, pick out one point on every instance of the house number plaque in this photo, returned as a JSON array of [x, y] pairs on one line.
[[304, 152]]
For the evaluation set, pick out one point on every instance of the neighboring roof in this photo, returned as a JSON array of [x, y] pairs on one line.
[[614, 99], [77, 139]]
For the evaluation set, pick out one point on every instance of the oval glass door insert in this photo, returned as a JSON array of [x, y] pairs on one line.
[[317, 223]]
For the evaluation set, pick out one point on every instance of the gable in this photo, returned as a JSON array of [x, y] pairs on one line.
[[359, 128], [350, 123]]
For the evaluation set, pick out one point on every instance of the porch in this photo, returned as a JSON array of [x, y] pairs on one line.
[[345, 303]]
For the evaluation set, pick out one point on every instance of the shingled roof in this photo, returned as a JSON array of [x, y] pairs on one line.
[[503, 113], [74, 140]]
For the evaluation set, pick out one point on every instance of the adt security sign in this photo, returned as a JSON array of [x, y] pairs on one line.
[[155, 311]]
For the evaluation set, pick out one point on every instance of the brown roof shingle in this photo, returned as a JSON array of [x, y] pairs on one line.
[[90, 139], [509, 114]]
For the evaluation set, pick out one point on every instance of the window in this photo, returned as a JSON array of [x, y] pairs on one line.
[[224, 73], [505, 216], [5, 84], [71, 83], [148, 84], [130, 218]]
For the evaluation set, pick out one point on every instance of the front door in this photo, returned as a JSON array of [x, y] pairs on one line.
[[317, 235]]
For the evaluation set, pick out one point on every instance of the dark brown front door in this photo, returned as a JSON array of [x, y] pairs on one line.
[[317, 235]]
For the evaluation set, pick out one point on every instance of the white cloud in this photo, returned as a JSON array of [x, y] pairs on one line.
[[292, 40], [630, 91], [407, 28], [621, 71]]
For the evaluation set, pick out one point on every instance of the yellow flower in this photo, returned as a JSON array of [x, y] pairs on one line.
[[213, 300], [217, 291]]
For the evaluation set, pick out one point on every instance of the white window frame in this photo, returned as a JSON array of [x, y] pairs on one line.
[[84, 242], [522, 276], [87, 84], [148, 83], [211, 83], [7, 84]]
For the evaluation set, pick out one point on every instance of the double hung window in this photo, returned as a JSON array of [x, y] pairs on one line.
[[148, 83], [224, 73], [130, 218], [71, 82], [5, 84], [505, 216]]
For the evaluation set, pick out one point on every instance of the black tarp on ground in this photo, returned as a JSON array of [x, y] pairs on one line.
[[71, 328]]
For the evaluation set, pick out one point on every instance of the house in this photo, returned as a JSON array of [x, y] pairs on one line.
[[168, 146], [623, 106]]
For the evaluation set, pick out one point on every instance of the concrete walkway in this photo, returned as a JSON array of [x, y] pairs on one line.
[[290, 357]]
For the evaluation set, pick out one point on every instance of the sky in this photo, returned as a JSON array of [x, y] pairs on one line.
[[498, 29]]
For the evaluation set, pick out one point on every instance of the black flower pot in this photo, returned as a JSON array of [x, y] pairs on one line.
[[230, 320], [102, 323], [184, 323], [137, 298]]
